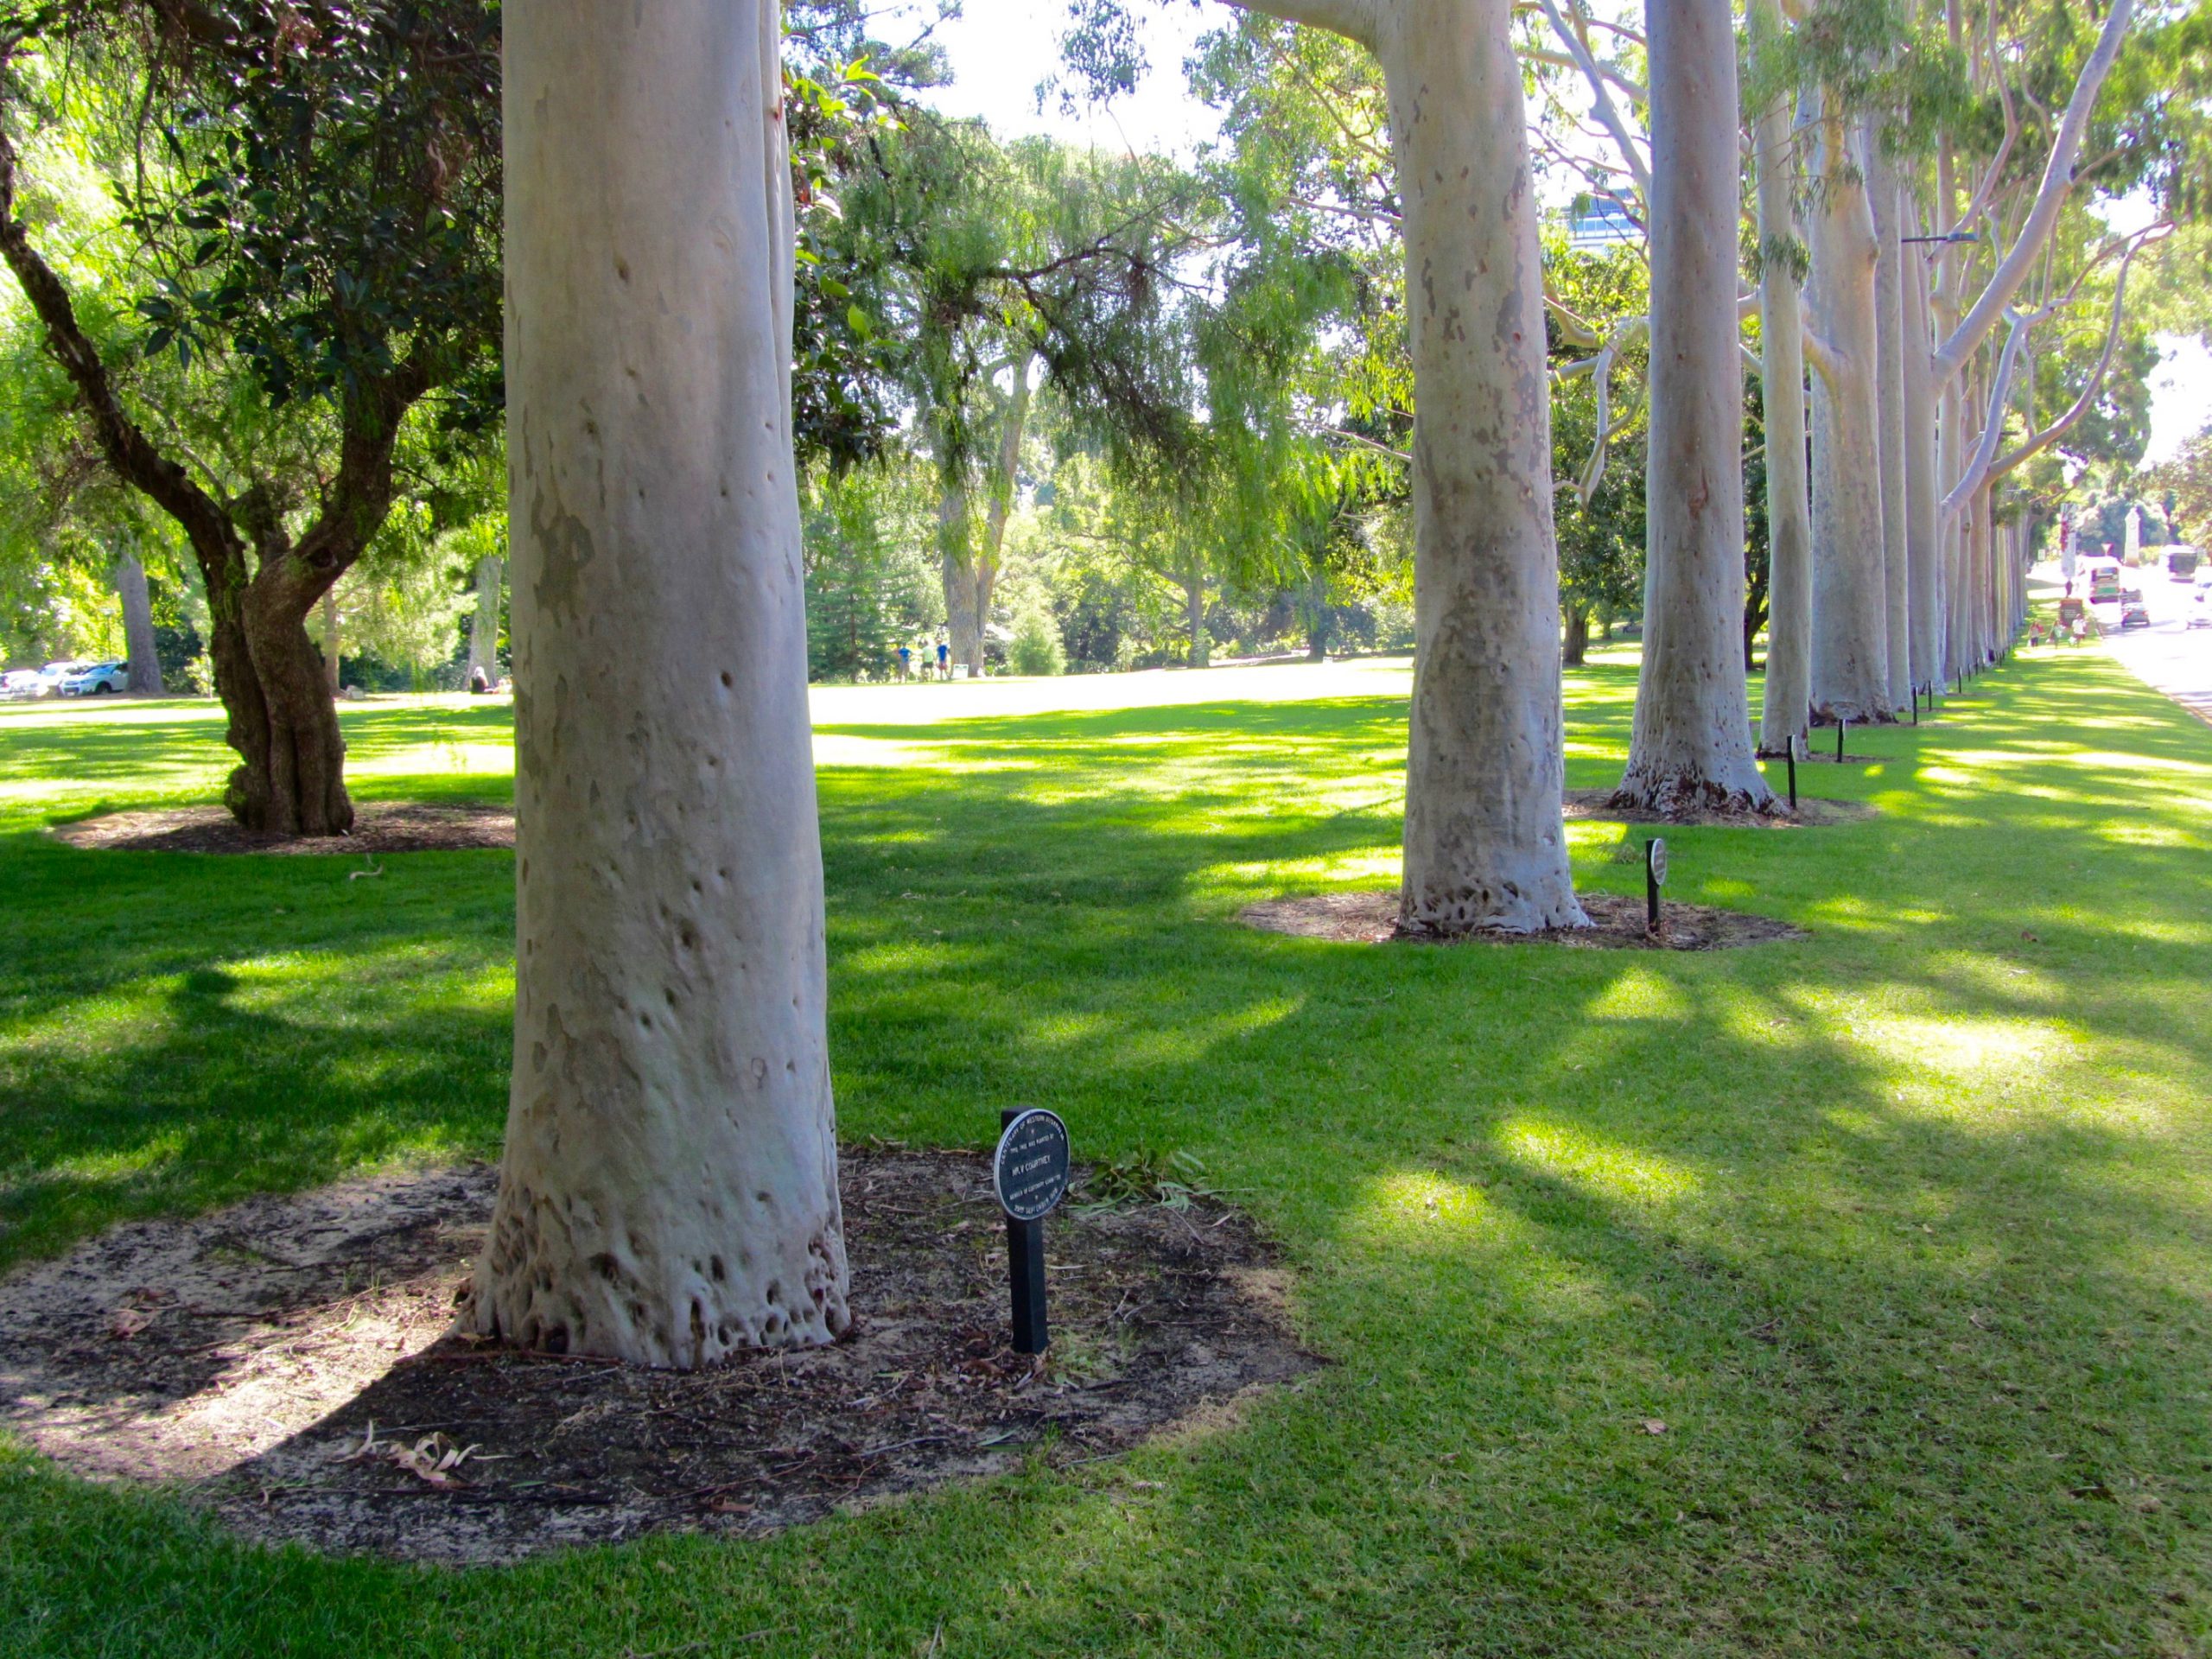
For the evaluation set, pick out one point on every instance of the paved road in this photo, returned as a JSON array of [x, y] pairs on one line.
[[2168, 655]]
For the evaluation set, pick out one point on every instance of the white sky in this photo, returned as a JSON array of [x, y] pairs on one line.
[[1002, 49]]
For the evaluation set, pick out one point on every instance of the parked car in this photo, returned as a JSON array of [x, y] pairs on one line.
[[2134, 616], [93, 679], [53, 674], [21, 683]]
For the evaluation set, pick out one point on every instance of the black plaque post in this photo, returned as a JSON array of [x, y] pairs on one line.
[[1916, 705], [1030, 1174], [1793, 771], [1655, 877], [1841, 727]]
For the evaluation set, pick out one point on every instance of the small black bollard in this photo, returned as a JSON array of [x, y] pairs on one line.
[[1841, 727], [1793, 771], [1655, 877]]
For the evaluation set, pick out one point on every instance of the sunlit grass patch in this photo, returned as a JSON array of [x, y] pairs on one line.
[[1901, 1232]]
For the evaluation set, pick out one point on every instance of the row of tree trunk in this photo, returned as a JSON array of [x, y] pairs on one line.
[[668, 1192]]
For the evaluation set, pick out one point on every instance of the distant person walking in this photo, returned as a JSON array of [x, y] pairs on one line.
[[906, 661], [944, 660]]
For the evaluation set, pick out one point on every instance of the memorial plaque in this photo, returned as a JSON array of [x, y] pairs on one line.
[[1655, 856], [1030, 1171]]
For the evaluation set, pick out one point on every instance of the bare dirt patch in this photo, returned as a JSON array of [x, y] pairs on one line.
[[244, 1356], [1617, 923], [378, 827], [1595, 806]]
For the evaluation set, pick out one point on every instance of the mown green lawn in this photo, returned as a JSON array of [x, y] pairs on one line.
[[1904, 1232]]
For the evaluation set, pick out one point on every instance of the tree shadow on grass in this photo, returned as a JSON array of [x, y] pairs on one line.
[[1538, 1200]]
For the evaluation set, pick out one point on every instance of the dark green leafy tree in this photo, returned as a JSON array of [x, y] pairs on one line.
[[313, 194]]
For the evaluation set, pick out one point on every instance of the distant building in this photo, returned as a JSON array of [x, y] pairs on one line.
[[1600, 225]]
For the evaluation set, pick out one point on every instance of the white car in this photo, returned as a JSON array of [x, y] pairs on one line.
[[21, 683], [93, 679]]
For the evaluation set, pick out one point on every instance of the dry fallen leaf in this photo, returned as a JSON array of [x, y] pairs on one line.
[[127, 1322], [1654, 1425]]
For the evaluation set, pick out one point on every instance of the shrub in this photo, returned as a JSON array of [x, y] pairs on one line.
[[1036, 647]]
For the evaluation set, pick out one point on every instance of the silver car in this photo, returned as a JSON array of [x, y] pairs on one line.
[[95, 679]]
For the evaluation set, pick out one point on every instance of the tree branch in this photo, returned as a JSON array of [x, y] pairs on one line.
[[2043, 217], [1353, 19], [2042, 440], [129, 451]]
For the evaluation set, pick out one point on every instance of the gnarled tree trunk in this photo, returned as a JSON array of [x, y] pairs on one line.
[[1575, 651], [669, 1188], [139, 625], [1691, 749]]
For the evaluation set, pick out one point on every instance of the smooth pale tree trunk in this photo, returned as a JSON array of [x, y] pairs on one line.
[[1691, 750], [668, 1193], [1851, 676], [1959, 440], [1788, 698], [484, 620], [1923, 505], [1193, 583], [1485, 845], [139, 625], [330, 668], [1889, 346]]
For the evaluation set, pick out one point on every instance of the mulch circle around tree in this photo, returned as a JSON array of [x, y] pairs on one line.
[[1595, 806], [378, 827], [1617, 923], [290, 1363]]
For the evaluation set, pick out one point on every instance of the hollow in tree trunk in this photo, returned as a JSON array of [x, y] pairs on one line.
[[668, 1192], [1691, 747], [139, 625]]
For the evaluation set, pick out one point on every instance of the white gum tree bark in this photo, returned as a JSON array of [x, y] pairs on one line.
[[483, 619], [1883, 188], [1788, 699], [1691, 750], [1485, 843], [138, 625], [668, 1192], [1851, 675], [1924, 546]]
